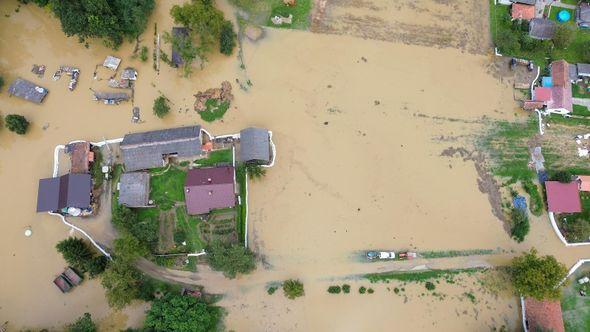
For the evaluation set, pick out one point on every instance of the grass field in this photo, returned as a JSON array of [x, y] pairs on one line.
[[261, 11], [216, 157], [215, 110], [579, 92], [419, 276], [167, 188], [576, 308]]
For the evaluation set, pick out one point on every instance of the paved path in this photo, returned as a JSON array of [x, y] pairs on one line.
[[581, 101]]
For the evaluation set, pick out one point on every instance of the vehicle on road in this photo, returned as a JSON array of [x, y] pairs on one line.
[[390, 255]]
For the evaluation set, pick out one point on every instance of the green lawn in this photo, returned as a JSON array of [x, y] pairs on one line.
[[215, 110], [261, 11], [576, 308], [241, 217], [555, 10], [569, 2], [167, 188], [189, 225], [579, 92], [216, 157], [581, 110], [419, 276]]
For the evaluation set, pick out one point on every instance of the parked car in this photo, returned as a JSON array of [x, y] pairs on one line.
[[390, 255]]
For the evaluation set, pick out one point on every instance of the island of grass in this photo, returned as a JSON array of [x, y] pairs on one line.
[[261, 12]]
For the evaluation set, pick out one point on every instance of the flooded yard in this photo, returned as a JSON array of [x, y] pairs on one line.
[[360, 126]]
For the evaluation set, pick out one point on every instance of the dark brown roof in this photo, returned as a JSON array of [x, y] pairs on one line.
[[543, 315], [210, 188], [79, 155]]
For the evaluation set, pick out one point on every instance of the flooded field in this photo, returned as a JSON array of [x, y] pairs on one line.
[[360, 126]]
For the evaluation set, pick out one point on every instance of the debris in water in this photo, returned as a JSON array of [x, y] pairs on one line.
[[326, 123], [45, 126], [38, 70], [135, 118], [377, 102]]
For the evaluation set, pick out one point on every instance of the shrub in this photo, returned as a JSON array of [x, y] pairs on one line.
[[396, 290], [227, 38], [83, 324], [255, 171], [17, 123], [1, 82], [346, 288], [97, 265], [362, 289], [271, 290], [370, 291], [293, 289], [563, 36], [507, 42], [562, 176], [430, 286], [537, 277], [143, 55], [231, 259], [161, 107], [334, 289], [75, 252], [520, 224]]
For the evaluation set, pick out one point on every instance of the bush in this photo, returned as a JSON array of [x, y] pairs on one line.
[[346, 288], [536, 201], [182, 314], [1, 82], [75, 252], [430, 286], [271, 290], [563, 36], [370, 291], [129, 248], [227, 38], [520, 224], [507, 42], [17, 123], [537, 277], [562, 176], [231, 259], [362, 289], [126, 220], [161, 107], [83, 324], [293, 289], [97, 265], [143, 55], [334, 289]]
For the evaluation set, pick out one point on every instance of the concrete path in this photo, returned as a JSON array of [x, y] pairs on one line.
[[581, 101]]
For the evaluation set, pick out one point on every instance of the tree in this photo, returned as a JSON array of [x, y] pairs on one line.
[[507, 42], [97, 265], [1, 82], [562, 176], [187, 50], [293, 289], [83, 324], [255, 171], [537, 277], [161, 107], [231, 259], [146, 230], [227, 38], [143, 54], [129, 248], [563, 36], [17, 123], [520, 224], [121, 282], [182, 314], [75, 252]]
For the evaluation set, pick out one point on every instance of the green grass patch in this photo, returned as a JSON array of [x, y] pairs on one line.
[[576, 308], [418, 276], [241, 209], [580, 110], [579, 91], [535, 200], [216, 157], [555, 10], [570, 2], [167, 188], [215, 110], [300, 14], [96, 168], [189, 225], [455, 253]]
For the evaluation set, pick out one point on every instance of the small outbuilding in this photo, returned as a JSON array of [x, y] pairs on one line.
[[541, 28], [80, 156], [67, 191], [525, 2], [583, 15], [111, 62], [563, 197], [583, 182], [111, 97], [27, 90], [255, 145], [583, 70], [210, 188], [543, 315], [134, 189]]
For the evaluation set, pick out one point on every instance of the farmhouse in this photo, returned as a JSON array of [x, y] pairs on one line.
[[541, 28], [563, 197], [134, 189], [27, 90], [209, 188], [156, 148], [556, 92], [64, 192]]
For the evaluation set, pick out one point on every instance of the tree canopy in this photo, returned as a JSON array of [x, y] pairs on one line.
[[112, 20], [182, 314], [538, 277], [82, 324], [17, 123], [121, 281], [75, 252], [161, 107], [563, 36], [227, 38], [231, 259]]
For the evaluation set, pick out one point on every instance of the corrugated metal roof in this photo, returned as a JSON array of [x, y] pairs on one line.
[[134, 189], [70, 190], [254, 145], [540, 28], [27, 90]]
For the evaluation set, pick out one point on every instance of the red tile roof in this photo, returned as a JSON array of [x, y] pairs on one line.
[[561, 98], [584, 181], [542, 93], [206, 189], [79, 153], [543, 315], [522, 11], [560, 73], [532, 104], [563, 197]]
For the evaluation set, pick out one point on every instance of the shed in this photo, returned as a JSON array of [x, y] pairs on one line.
[[255, 145], [523, 11], [532, 105], [80, 156], [114, 96], [541, 28], [210, 188], [526, 2], [563, 197], [27, 90], [112, 62], [543, 315], [583, 14], [134, 190], [583, 182], [583, 69], [180, 32], [70, 190], [149, 149]]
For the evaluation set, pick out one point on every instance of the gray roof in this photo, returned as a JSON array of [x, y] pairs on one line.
[[573, 72], [111, 95], [583, 69], [111, 62], [254, 145], [27, 90], [178, 32], [583, 13], [526, 2], [540, 28], [134, 189], [70, 190], [146, 150]]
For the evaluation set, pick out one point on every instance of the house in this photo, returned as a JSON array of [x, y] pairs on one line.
[[67, 191], [522, 11], [583, 15], [543, 315], [134, 189], [556, 93], [111, 62], [27, 90], [206, 189], [178, 32], [111, 97], [563, 197], [255, 145], [583, 182], [155, 148], [80, 156], [541, 28]]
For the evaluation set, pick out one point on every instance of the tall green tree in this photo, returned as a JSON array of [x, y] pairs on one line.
[[121, 281], [182, 314], [563, 36], [537, 277], [17, 123], [231, 259], [75, 252], [227, 38], [161, 107], [129, 248], [82, 324]]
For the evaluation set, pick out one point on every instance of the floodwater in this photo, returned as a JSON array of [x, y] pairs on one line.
[[359, 125]]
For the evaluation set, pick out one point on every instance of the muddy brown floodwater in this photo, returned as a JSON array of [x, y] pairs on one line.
[[360, 125]]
